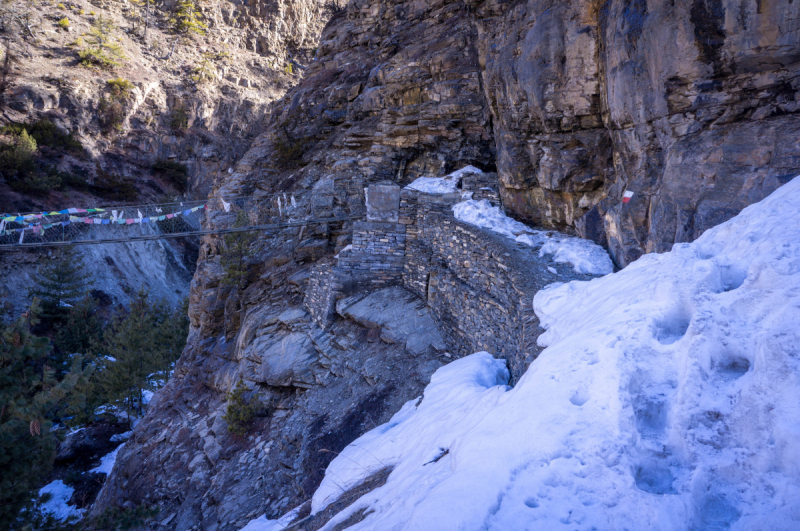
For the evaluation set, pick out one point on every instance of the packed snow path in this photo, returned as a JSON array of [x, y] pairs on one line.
[[667, 398]]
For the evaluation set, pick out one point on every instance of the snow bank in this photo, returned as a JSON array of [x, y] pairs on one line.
[[107, 461], [442, 185], [666, 399], [263, 524], [585, 257], [57, 506]]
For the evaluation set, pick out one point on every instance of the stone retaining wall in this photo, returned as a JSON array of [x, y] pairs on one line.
[[482, 186], [321, 291], [478, 284]]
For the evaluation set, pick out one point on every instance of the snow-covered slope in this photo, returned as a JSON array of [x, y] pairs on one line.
[[442, 185], [668, 397], [584, 256]]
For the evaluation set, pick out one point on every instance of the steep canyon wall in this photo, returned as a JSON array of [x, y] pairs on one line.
[[689, 104]]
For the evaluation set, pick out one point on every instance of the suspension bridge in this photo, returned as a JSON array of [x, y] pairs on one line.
[[132, 223]]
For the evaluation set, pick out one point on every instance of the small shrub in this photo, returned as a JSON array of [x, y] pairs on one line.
[[111, 110], [64, 23], [61, 6], [103, 48], [111, 114], [114, 518], [18, 165], [240, 413], [114, 187], [80, 12], [20, 161], [74, 181], [180, 116], [174, 172], [24, 146], [289, 151], [120, 87], [204, 70], [45, 133], [38, 183]]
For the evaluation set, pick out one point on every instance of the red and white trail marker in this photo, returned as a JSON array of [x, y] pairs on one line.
[[627, 196]]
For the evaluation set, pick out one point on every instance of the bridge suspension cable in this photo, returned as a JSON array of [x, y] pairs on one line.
[[131, 223]]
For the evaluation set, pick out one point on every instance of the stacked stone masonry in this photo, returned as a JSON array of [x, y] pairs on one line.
[[479, 285], [321, 290], [482, 186]]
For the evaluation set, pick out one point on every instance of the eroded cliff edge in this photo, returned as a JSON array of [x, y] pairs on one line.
[[690, 105]]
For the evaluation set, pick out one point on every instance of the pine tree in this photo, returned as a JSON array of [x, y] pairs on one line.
[[30, 398], [138, 352], [186, 18], [80, 329], [236, 250], [60, 284], [103, 47], [171, 332], [130, 341]]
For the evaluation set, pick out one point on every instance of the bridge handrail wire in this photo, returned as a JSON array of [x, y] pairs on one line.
[[129, 223]]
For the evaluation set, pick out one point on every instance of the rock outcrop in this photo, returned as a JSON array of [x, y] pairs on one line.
[[689, 104], [317, 391], [194, 100], [573, 103]]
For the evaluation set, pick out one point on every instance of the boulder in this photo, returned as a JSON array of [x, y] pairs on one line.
[[402, 317]]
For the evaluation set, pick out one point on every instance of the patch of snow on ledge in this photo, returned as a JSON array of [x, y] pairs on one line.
[[442, 185], [585, 256], [107, 461], [57, 505], [666, 399]]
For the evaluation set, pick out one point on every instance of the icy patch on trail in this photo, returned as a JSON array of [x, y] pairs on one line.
[[585, 256], [442, 185], [666, 399], [57, 506]]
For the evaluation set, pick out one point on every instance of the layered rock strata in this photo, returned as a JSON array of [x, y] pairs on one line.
[[689, 104]]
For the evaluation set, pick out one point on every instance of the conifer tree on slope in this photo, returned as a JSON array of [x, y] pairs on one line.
[[171, 331], [60, 283], [30, 398], [80, 329], [144, 342], [130, 341]]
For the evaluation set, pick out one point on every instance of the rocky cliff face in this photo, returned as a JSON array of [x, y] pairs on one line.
[[573, 103], [689, 104], [170, 114]]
